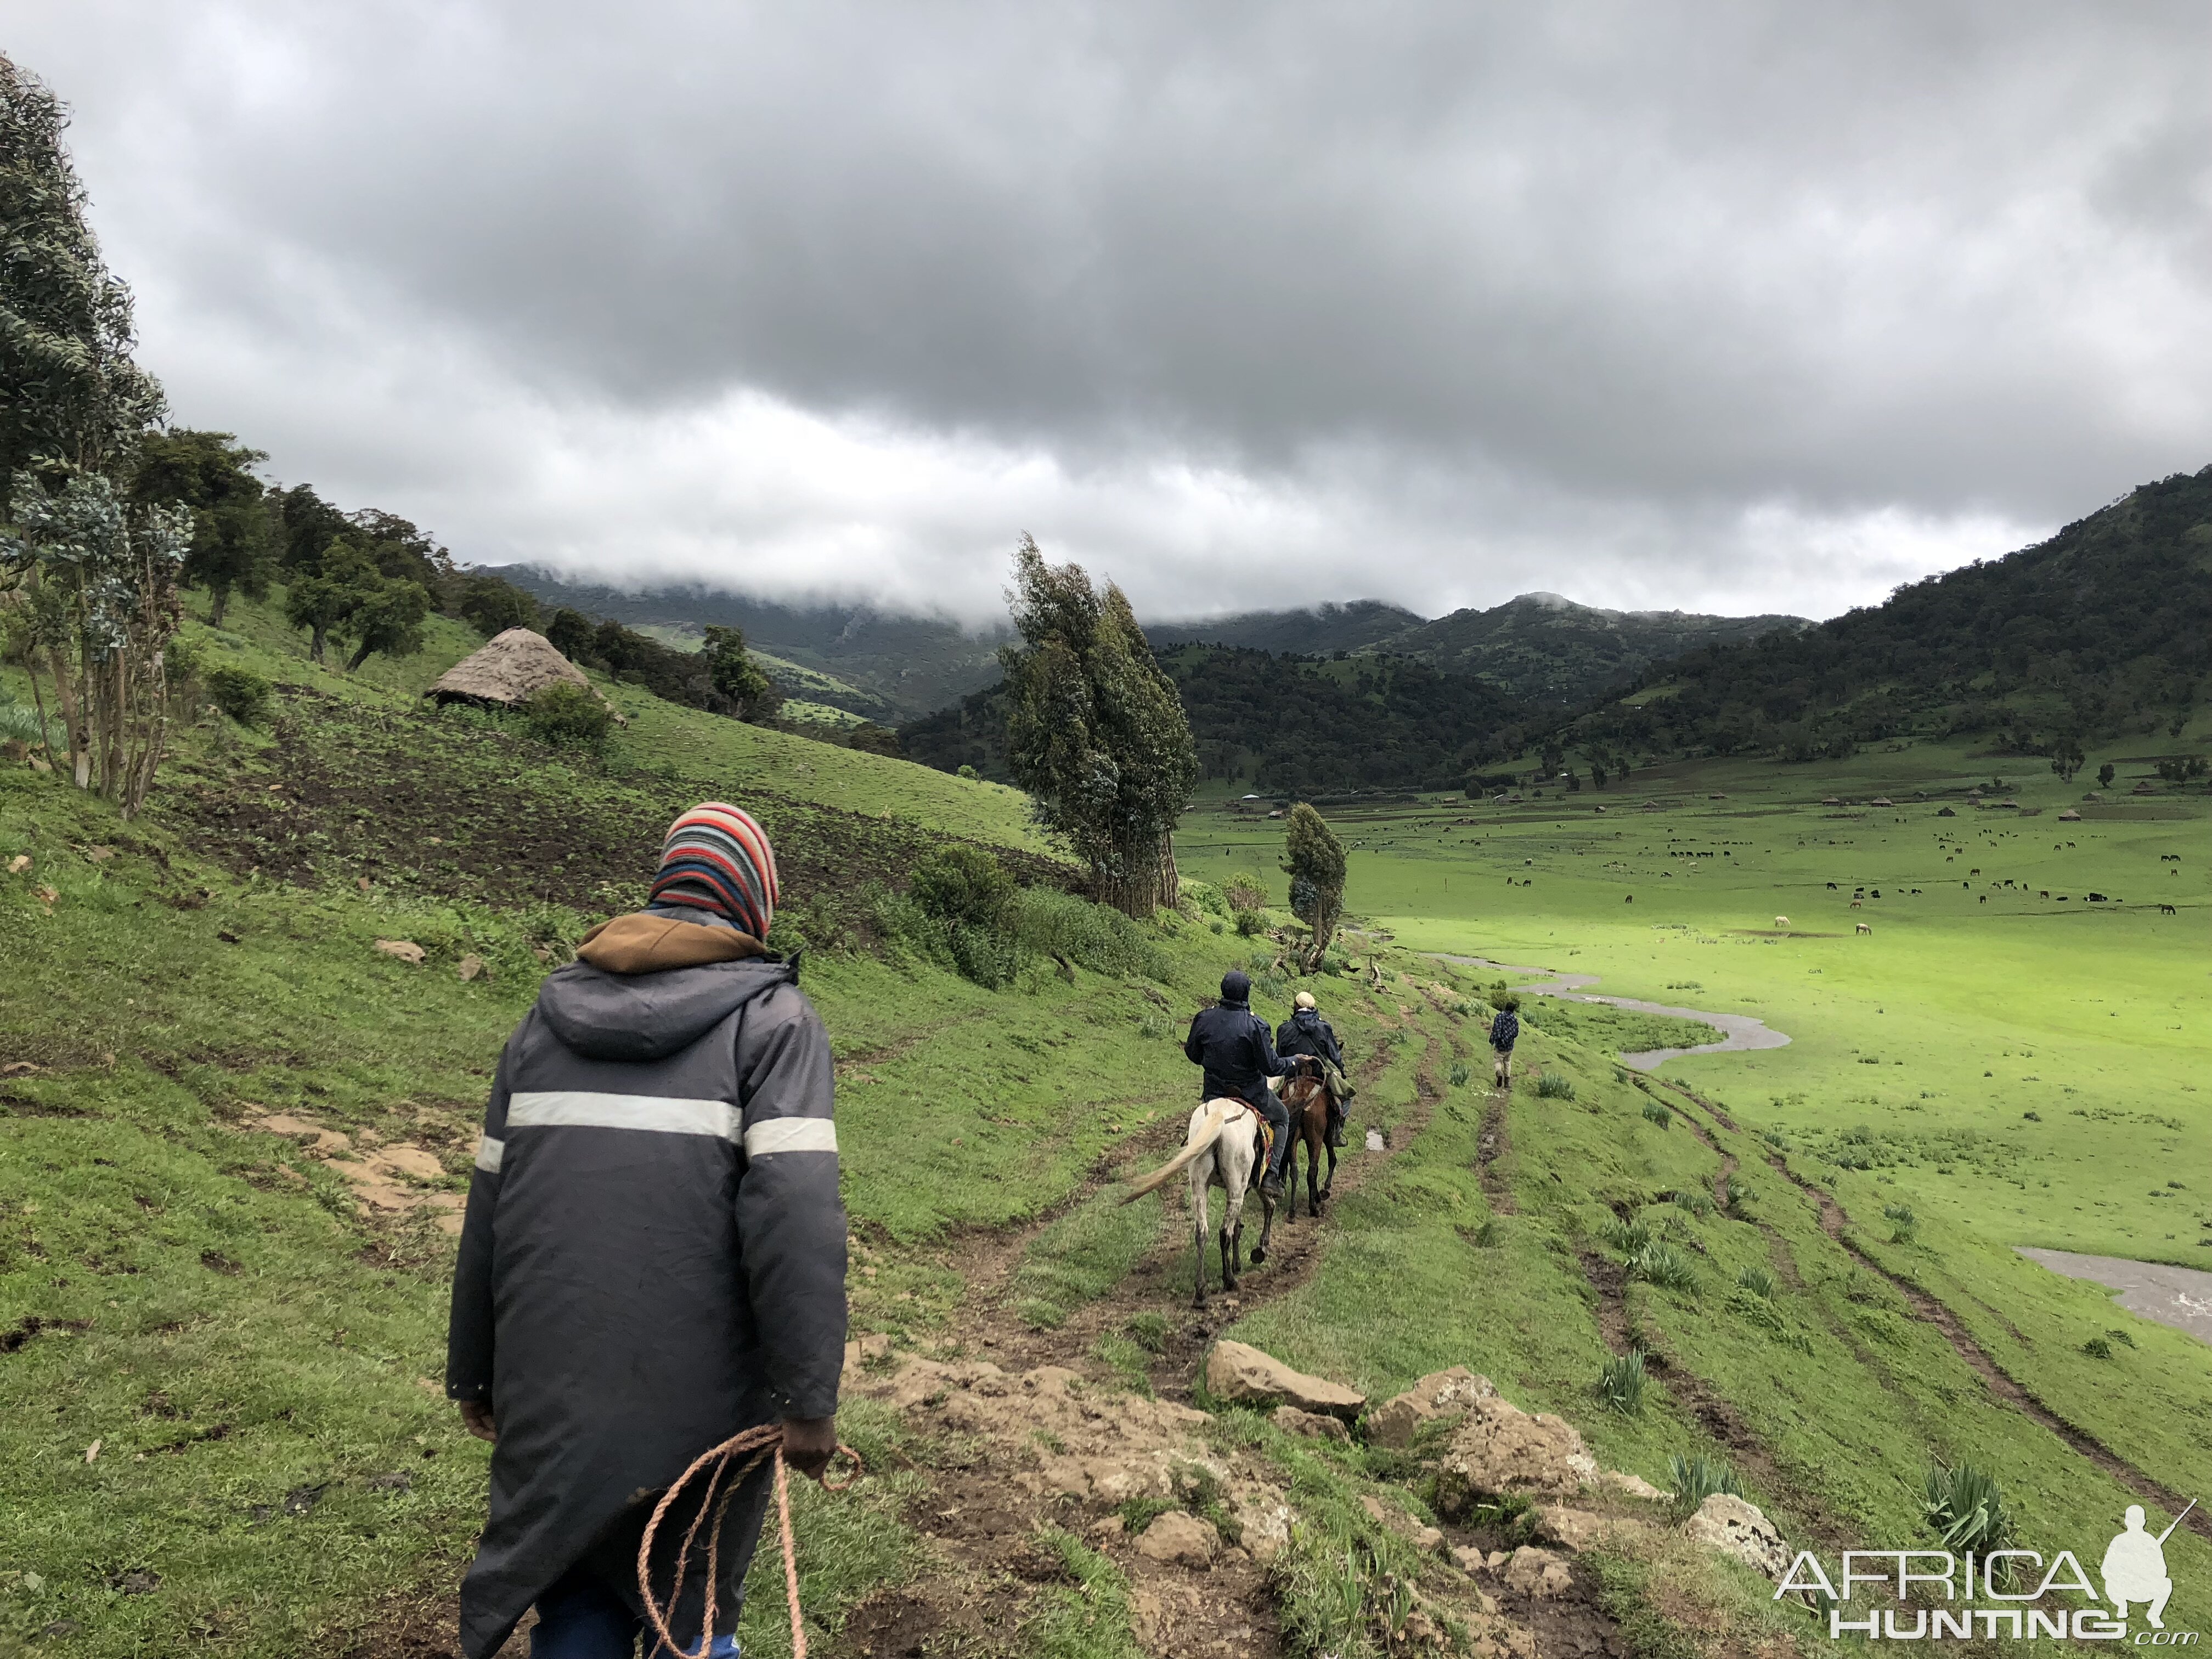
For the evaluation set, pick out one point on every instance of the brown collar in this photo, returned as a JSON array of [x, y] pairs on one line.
[[652, 944]]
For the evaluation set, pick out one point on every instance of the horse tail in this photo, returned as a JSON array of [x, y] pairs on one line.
[[1208, 1130]]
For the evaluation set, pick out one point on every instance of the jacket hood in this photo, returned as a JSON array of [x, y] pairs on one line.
[[1306, 1019], [647, 986]]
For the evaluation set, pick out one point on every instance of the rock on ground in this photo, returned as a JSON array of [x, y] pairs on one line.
[[1633, 1486], [1179, 1538], [406, 950], [1439, 1394], [1312, 1424], [1538, 1573], [1244, 1376], [1737, 1528], [1500, 1449]]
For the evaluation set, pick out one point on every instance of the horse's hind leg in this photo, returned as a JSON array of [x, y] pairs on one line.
[[1198, 1234], [1312, 1174], [1329, 1185]]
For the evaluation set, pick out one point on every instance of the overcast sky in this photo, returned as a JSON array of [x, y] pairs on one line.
[[1724, 307]]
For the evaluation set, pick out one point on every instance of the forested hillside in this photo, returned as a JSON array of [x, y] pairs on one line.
[[2106, 628], [1291, 725], [1540, 646], [1321, 630]]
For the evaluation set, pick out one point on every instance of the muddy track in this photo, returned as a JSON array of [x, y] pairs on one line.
[[1931, 1310], [1493, 1142], [2001, 1383], [978, 1533]]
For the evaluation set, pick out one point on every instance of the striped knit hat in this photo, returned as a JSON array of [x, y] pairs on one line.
[[716, 858]]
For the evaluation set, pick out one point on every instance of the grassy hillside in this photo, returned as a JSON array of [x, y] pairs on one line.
[[231, 1129]]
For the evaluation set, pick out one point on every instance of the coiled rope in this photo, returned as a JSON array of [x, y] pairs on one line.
[[764, 1443]]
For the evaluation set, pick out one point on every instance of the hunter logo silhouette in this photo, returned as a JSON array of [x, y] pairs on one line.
[[2134, 1568]]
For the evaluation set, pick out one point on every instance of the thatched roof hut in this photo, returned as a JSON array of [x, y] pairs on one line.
[[504, 674]]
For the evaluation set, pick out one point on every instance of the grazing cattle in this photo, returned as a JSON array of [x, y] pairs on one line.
[[1973, 873], [1916, 892], [1866, 927], [2096, 898], [1855, 904], [1782, 922], [2069, 843], [1985, 898], [1877, 892], [1966, 884], [2167, 910], [1628, 898], [2046, 893], [1832, 887]]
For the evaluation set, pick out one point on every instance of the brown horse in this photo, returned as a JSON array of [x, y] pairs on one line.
[[1305, 1097]]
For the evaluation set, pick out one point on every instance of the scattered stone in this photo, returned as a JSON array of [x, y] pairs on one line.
[[1499, 1450], [473, 967], [1375, 1141], [1181, 1539], [399, 1480], [403, 950], [144, 1582], [62, 1627], [1439, 1394], [46, 895], [1312, 1424], [1633, 1487], [1243, 1375], [1265, 1516], [1737, 1528], [99, 854], [1581, 1530], [1538, 1573], [20, 863], [1428, 1539], [21, 1068], [1469, 1559]]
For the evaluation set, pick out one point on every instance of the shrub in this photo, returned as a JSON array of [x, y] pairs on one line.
[[1503, 1001], [1093, 936], [1664, 1265], [18, 723], [1658, 1114], [967, 772], [1738, 1195], [1620, 1383], [1244, 892], [963, 886], [1696, 1478], [1965, 1507], [1757, 1280], [2097, 1348], [1251, 923], [1690, 1198], [239, 692], [566, 716], [1552, 1086], [1459, 1073], [1626, 1236], [1900, 1217]]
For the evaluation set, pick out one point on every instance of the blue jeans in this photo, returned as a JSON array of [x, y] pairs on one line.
[[580, 1618]]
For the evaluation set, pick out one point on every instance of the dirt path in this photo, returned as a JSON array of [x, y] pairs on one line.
[[1931, 1311], [1739, 1033], [979, 1520]]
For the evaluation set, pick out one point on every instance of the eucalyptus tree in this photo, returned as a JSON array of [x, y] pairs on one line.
[[1095, 731]]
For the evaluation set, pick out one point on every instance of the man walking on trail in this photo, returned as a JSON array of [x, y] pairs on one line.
[[1504, 1032], [1230, 1041], [1306, 1032], [654, 1257]]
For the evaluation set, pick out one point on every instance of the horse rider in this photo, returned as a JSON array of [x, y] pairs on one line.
[[1306, 1032], [1230, 1042], [654, 1257]]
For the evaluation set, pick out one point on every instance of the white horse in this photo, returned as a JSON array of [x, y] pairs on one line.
[[1220, 1149]]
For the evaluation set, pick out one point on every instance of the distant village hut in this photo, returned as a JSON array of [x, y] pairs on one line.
[[511, 668]]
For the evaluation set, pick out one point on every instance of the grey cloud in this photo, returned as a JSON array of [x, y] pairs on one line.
[[1705, 303]]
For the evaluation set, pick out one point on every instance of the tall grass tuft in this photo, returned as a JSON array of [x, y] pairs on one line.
[[1758, 1281], [1459, 1073], [1664, 1265], [1620, 1383], [1552, 1086], [1696, 1478], [1965, 1507], [1658, 1114], [1900, 1218], [1627, 1237]]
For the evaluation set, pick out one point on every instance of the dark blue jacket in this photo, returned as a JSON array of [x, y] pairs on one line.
[[1231, 1043], [1504, 1030], [1306, 1032]]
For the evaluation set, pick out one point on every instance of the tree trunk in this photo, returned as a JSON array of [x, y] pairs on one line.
[[315, 644], [1141, 880], [80, 764], [218, 603]]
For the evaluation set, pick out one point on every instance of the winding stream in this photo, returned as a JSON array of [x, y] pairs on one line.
[[1738, 1031]]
